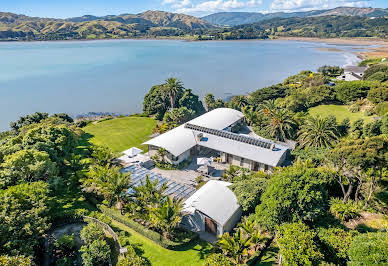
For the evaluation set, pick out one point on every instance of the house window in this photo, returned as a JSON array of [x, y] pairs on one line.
[[174, 158], [242, 162]]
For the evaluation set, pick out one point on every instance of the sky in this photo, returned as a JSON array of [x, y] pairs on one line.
[[73, 8]]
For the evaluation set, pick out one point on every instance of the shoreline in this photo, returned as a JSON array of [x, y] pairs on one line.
[[373, 52], [380, 51]]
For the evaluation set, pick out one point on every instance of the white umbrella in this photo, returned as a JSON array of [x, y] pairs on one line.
[[204, 161], [132, 152]]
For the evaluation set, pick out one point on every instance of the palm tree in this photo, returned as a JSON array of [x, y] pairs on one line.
[[146, 197], [268, 108], [238, 102], [236, 246], [167, 216], [108, 182], [172, 88], [280, 124], [250, 115], [317, 132]]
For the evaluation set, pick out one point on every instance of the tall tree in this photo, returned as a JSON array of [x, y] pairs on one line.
[[293, 193], [353, 159], [280, 124], [317, 132], [23, 217], [171, 87]]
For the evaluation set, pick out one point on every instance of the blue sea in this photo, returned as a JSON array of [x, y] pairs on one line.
[[77, 77]]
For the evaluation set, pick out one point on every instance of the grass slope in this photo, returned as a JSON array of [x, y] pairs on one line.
[[121, 133], [339, 111], [192, 254]]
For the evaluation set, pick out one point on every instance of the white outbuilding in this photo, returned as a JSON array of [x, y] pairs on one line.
[[212, 209]]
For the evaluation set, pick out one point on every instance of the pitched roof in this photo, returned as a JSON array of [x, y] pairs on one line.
[[179, 140], [355, 69], [184, 137], [215, 200]]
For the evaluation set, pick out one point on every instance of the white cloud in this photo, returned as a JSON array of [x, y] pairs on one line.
[[186, 6], [297, 5]]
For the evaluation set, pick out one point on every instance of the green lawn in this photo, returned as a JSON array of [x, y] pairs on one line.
[[121, 133], [192, 254], [339, 111]]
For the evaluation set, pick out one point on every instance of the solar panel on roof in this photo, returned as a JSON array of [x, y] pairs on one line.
[[230, 135]]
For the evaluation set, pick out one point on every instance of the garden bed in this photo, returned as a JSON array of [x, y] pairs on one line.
[[184, 236]]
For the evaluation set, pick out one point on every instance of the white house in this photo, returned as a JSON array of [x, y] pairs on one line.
[[352, 73], [213, 209], [212, 131]]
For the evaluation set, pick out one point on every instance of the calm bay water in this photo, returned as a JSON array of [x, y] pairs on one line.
[[114, 75]]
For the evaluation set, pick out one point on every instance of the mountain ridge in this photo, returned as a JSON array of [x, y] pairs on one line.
[[240, 18]]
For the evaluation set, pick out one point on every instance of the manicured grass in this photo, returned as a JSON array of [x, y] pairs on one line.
[[121, 133], [339, 111], [193, 253]]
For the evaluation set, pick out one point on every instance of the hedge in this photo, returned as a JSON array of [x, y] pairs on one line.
[[152, 235]]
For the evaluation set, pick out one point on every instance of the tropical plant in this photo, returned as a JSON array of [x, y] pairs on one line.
[[167, 215], [240, 246], [146, 197], [238, 102], [102, 155], [91, 232], [162, 153], [250, 115], [317, 132], [106, 181], [171, 88]]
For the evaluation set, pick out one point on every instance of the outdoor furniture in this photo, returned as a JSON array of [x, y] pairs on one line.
[[132, 152]]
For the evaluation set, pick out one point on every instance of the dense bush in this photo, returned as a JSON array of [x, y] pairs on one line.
[[293, 193], [218, 259], [369, 249], [382, 108], [371, 70], [92, 232], [335, 244], [343, 211], [259, 96], [249, 191], [378, 94], [348, 91], [97, 253], [15, 261], [297, 246]]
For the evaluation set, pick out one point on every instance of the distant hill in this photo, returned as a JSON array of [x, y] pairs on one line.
[[240, 18], [152, 18], [147, 24]]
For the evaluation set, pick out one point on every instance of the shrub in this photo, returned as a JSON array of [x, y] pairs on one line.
[[352, 90], [382, 108], [65, 243], [218, 259], [131, 258], [15, 261], [296, 244], [92, 232], [154, 236], [96, 253], [335, 243], [354, 108], [343, 211], [378, 95], [369, 249]]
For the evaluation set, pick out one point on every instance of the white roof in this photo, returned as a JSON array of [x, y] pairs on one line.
[[215, 200], [244, 150], [219, 118], [180, 139], [132, 151]]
